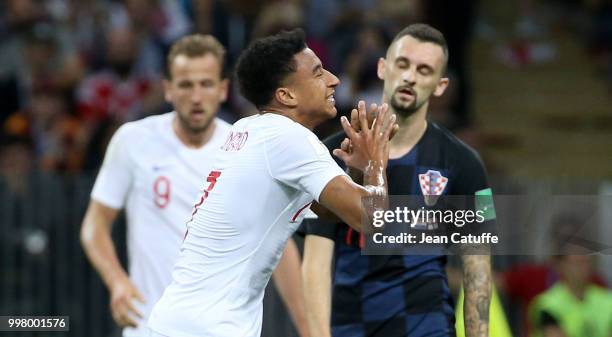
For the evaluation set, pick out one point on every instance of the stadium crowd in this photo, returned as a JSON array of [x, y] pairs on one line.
[[72, 71]]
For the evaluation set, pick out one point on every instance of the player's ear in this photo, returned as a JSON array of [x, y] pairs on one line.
[[380, 71], [441, 87], [224, 89], [286, 96], [167, 90]]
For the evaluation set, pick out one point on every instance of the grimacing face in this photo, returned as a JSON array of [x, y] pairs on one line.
[[314, 86], [412, 71], [196, 89]]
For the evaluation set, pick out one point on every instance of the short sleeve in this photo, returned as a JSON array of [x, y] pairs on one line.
[[296, 157], [472, 185], [471, 175], [313, 225], [115, 177]]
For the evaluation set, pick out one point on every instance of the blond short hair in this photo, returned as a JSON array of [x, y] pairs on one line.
[[196, 45]]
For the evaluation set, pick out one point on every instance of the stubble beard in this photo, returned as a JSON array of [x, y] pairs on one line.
[[404, 110]]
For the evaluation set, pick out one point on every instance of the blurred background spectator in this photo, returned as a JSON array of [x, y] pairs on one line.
[[573, 306], [127, 87], [526, 280]]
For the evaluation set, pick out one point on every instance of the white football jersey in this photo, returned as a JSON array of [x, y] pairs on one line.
[[148, 171], [265, 176]]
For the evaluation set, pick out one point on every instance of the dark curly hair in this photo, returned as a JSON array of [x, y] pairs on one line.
[[266, 62]]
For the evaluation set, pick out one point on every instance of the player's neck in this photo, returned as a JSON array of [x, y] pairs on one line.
[[411, 129], [293, 115], [191, 139]]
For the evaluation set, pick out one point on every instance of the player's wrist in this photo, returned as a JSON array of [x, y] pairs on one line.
[[374, 168], [374, 180], [118, 279]]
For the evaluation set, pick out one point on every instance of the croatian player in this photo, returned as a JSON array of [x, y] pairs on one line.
[[401, 295], [153, 168], [266, 174]]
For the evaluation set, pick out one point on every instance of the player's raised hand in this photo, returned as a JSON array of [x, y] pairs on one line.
[[371, 115], [123, 294], [371, 143], [346, 144]]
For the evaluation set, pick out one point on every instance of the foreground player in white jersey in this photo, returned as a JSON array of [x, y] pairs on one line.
[[266, 174], [153, 168]]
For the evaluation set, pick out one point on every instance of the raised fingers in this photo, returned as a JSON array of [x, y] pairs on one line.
[[391, 128], [394, 130], [389, 124], [381, 120], [363, 118], [360, 113], [348, 129], [355, 120], [372, 113], [343, 155], [345, 145]]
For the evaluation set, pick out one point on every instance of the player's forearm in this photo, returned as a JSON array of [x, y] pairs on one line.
[[374, 175], [346, 199], [317, 295], [101, 253], [316, 275], [477, 288], [98, 245], [375, 183], [289, 285]]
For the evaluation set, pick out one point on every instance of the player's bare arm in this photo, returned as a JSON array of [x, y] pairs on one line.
[[289, 285], [316, 273], [318, 251], [98, 245], [477, 287]]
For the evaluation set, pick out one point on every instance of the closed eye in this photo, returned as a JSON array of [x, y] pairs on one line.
[[207, 83], [402, 62], [425, 70], [185, 84]]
